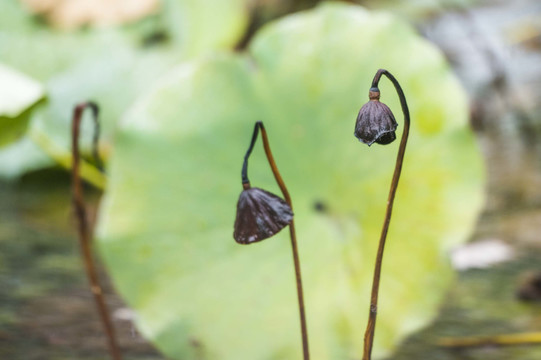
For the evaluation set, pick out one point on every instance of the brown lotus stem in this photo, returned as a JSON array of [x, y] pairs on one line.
[[370, 327], [498, 340], [83, 227], [292, 234]]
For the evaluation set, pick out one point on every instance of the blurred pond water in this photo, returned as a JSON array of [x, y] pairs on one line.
[[46, 308]]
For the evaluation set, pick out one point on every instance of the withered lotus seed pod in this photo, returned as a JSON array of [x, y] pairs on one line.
[[260, 215], [375, 122]]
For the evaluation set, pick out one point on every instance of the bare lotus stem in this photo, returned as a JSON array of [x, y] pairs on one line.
[[83, 227], [261, 214], [376, 123], [500, 340], [293, 237]]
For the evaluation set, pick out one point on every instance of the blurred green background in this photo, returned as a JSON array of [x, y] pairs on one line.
[[180, 83]]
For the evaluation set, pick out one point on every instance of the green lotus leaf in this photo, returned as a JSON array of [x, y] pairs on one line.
[[111, 66], [19, 96], [188, 28], [166, 224], [203, 26], [22, 156]]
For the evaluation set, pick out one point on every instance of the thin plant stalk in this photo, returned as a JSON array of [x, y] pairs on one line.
[[83, 228], [371, 326], [293, 236], [246, 183]]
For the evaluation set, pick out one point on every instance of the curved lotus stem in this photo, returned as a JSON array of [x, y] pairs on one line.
[[83, 227], [293, 236], [246, 185], [370, 328]]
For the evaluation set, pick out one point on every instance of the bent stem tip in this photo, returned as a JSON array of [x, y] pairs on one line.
[[83, 228]]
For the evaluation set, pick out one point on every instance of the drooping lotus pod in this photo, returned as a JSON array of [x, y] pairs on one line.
[[260, 215], [375, 122]]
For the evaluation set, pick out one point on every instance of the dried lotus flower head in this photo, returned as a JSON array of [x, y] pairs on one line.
[[375, 122], [260, 215]]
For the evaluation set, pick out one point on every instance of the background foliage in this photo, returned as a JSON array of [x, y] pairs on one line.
[[110, 65]]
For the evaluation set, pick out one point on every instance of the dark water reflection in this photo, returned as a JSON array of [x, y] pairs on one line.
[[46, 309]]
